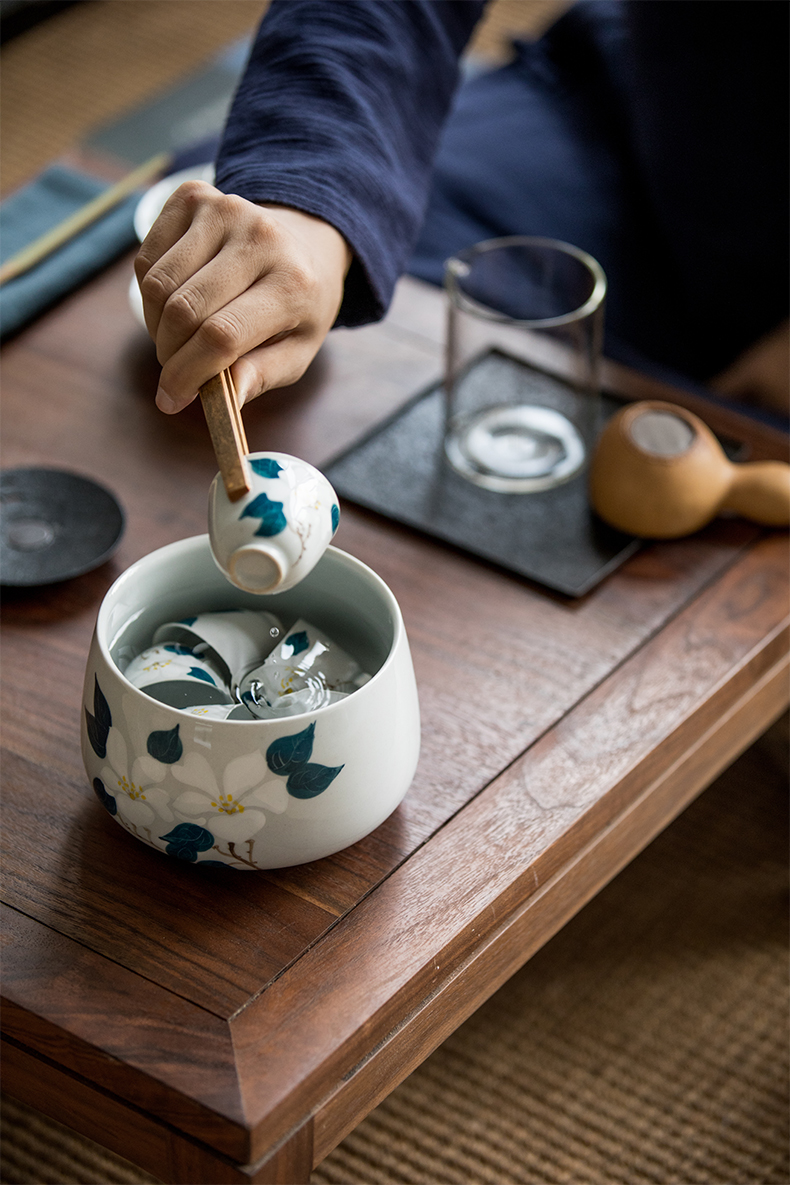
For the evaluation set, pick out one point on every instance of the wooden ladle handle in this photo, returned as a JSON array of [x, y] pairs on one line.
[[223, 416], [760, 491]]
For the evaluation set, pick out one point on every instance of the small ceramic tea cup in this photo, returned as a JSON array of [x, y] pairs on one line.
[[309, 699], [307, 668], [172, 674], [270, 539], [239, 638], [219, 712]]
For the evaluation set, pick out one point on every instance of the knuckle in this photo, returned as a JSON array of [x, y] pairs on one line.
[[303, 279], [233, 215], [142, 264], [191, 194], [182, 311], [221, 334], [231, 204], [262, 231], [156, 285], [301, 288]]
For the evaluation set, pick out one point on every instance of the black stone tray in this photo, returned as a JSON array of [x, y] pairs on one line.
[[552, 537]]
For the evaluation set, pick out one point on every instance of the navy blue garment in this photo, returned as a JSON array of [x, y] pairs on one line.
[[709, 107], [339, 114], [651, 133], [654, 136], [542, 147]]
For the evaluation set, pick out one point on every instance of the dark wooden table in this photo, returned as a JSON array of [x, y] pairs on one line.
[[235, 1027]]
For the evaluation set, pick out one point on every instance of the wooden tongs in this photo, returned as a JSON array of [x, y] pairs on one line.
[[223, 416]]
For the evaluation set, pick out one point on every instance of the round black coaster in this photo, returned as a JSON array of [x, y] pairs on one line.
[[54, 525]]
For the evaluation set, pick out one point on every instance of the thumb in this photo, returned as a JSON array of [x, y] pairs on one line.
[[274, 364]]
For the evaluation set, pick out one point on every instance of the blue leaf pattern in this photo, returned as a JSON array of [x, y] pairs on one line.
[[176, 648], [98, 725], [101, 708], [187, 621], [186, 840], [197, 673], [288, 754], [311, 779], [107, 800], [166, 746], [97, 740], [269, 512], [335, 517], [290, 757], [298, 642], [265, 466]]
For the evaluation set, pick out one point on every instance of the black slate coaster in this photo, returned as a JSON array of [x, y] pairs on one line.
[[552, 537]]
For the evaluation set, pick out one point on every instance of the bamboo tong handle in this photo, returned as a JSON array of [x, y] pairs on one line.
[[221, 408]]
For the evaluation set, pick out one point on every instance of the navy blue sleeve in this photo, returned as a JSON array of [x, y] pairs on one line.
[[339, 114]]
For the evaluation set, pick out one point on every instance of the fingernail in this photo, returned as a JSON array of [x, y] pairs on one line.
[[164, 402]]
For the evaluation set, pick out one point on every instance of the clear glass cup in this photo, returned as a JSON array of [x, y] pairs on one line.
[[524, 335]]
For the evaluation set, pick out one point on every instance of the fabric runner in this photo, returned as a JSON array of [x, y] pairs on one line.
[[35, 209]]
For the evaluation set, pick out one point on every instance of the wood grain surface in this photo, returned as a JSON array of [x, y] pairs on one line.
[[229, 1011], [398, 945]]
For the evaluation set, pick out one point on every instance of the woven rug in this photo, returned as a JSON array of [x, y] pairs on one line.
[[94, 62], [646, 1044]]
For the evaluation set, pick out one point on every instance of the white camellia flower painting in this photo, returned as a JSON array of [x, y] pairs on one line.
[[235, 812], [135, 790]]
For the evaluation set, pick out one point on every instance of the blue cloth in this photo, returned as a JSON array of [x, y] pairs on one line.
[[31, 212], [652, 134]]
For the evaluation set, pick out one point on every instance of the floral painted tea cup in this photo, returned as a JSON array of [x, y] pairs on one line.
[[172, 674], [232, 711], [239, 638], [250, 793], [305, 668], [273, 536]]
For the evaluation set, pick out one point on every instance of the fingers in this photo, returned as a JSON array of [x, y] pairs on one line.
[[276, 364], [261, 316], [197, 224], [157, 278], [225, 281], [205, 290]]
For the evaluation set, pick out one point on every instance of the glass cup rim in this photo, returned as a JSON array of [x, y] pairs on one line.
[[461, 259]]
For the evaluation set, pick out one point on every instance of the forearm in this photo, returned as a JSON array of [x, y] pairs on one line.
[[339, 115], [322, 180]]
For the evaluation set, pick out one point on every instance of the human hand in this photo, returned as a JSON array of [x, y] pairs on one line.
[[761, 375], [228, 283]]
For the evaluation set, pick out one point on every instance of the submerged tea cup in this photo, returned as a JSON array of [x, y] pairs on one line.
[[173, 674], [272, 537], [239, 638], [219, 712], [307, 669]]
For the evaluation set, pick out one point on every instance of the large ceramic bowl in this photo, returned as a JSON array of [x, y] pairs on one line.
[[250, 794]]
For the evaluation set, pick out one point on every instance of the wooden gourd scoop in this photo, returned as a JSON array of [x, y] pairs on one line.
[[223, 416], [659, 472]]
